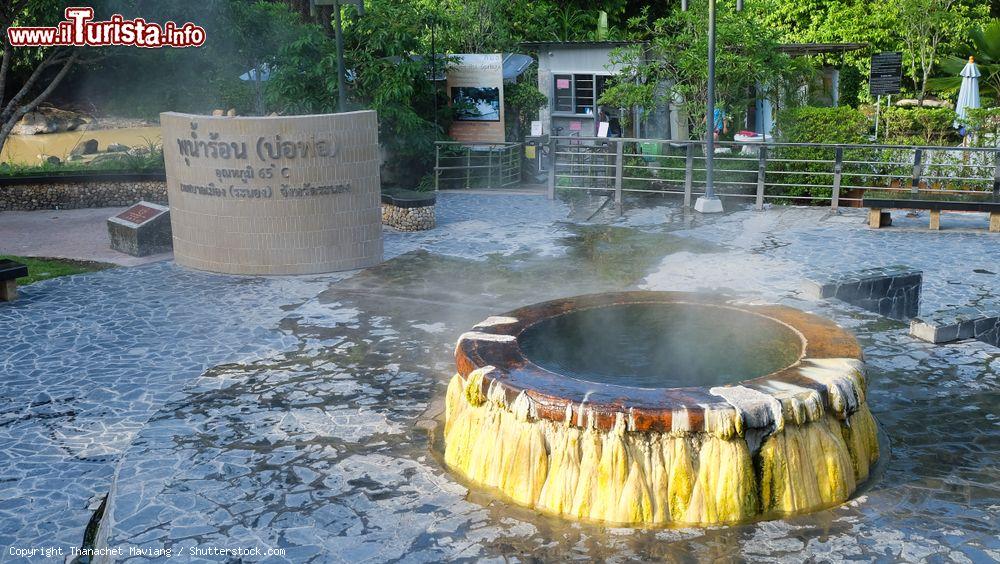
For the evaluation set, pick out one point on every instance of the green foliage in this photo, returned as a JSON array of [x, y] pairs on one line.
[[522, 100], [921, 124], [985, 125], [883, 26], [256, 33], [852, 82], [240, 35], [305, 81], [822, 125], [986, 50], [674, 64], [392, 81], [926, 26], [139, 159], [44, 268], [815, 125]]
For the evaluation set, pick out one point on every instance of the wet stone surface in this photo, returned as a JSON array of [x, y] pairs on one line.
[[299, 412], [891, 291]]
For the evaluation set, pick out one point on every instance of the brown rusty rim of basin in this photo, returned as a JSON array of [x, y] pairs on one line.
[[494, 343]]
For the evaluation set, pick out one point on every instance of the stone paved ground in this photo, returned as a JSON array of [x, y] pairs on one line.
[[72, 234], [295, 412]]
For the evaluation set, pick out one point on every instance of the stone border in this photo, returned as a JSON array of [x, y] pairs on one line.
[[104, 190], [955, 325], [830, 371], [892, 291]]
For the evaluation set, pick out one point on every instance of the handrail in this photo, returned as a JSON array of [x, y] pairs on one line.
[[681, 143], [600, 164]]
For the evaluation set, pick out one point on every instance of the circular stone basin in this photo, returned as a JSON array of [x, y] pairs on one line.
[[660, 407]]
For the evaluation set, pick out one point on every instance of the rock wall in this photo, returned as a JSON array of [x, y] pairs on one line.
[[74, 195], [408, 219]]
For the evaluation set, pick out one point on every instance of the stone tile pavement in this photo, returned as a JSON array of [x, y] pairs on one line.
[[298, 413], [72, 234]]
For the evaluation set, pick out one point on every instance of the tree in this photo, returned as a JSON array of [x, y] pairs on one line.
[[257, 32], [522, 100], [833, 21], [925, 25], [673, 65], [986, 50], [922, 29], [43, 67]]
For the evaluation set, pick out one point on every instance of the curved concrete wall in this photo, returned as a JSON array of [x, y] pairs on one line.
[[274, 195]]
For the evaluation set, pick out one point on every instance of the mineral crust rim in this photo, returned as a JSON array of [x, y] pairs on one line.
[[828, 376]]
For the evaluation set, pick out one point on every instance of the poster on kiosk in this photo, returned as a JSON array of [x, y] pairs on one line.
[[475, 93]]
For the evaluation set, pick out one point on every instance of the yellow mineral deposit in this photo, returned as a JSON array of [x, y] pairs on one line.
[[811, 456]]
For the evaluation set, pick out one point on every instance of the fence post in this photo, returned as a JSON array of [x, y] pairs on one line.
[[996, 175], [437, 166], [838, 169], [619, 172], [761, 170], [688, 174], [489, 167], [552, 169], [468, 157], [917, 170]]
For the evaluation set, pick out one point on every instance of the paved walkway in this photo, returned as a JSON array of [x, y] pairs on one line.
[[72, 234], [291, 413]]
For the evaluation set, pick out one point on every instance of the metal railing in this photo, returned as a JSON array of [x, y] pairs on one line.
[[826, 174], [476, 165]]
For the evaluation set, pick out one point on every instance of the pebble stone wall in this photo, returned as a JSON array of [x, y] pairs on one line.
[[408, 219], [75, 195]]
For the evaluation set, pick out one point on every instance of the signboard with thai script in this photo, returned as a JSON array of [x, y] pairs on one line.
[[140, 213], [886, 73]]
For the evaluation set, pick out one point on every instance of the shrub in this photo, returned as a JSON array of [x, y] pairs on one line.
[[815, 125], [985, 123], [822, 125], [926, 126]]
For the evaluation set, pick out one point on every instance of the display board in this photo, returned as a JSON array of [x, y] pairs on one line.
[[475, 93], [886, 74]]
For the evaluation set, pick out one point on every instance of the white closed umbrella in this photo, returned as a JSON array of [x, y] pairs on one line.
[[968, 94]]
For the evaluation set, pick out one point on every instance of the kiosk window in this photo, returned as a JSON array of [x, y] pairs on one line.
[[577, 93]]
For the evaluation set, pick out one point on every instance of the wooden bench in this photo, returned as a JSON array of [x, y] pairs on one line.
[[10, 271], [934, 200]]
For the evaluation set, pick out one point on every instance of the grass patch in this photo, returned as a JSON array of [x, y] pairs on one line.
[[149, 159], [44, 268]]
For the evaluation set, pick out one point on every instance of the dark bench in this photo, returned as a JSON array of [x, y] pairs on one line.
[[10, 271], [408, 198], [934, 200]]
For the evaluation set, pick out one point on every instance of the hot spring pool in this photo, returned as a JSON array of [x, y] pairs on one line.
[[660, 345], [660, 407]]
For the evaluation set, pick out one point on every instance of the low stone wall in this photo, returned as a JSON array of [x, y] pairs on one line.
[[408, 219], [892, 291], [958, 324], [95, 193]]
